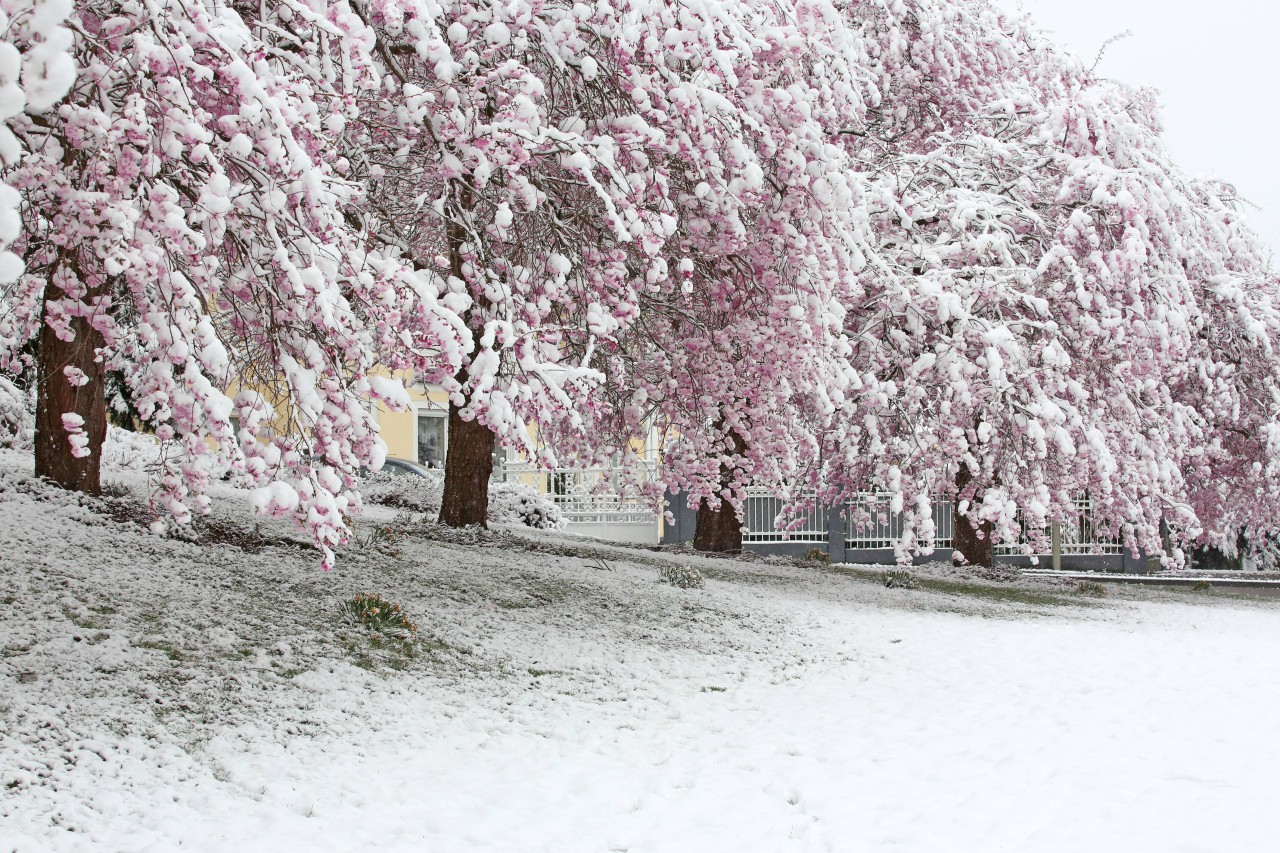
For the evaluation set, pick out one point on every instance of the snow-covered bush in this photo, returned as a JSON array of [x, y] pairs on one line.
[[125, 450], [418, 494], [15, 415], [509, 503], [512, 502], [684, 577]]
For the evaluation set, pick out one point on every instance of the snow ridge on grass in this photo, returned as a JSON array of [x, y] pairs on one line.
[[158, 694]]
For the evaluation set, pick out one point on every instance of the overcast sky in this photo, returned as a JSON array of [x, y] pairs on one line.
[[1215, 65]]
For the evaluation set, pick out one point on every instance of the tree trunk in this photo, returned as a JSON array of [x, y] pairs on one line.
[[468, 461], [720, 529], [973, 543], [56, 395], [468, 464]]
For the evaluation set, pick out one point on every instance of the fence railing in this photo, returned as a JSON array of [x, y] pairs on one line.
[[1077, 534], [759, 515], [873, 525], [591, 495], [870, 524]]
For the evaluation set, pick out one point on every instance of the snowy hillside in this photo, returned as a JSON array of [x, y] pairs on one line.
[[158, 694]]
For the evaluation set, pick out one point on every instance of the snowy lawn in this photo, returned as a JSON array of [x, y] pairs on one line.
[[159, 694]]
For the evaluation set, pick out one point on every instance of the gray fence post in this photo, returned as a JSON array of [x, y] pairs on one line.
[[686, 519], [835, 535], [1055, 534]]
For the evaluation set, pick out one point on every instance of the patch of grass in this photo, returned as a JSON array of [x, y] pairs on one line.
[[740, 573], [817, 555], [684, 577], [379, 651], [209, 530], [96, 621], [987, 592], [1201, 586], [172, 652], [1093, 589], [710, 689], [15, 650], [530, 590], [1011, 594], [153, 611]]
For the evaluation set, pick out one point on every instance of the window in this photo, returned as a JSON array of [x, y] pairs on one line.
[[433, 438], [433, 443], [499, 464]]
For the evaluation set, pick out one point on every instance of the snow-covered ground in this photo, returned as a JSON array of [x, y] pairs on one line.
[[158, 694]]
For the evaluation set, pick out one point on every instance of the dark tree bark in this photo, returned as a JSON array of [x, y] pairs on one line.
[[720, 529], [468, 461], [468, 464], [56, 396], [973, 542]]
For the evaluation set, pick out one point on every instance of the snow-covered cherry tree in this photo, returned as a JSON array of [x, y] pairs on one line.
[[36, 70], [731, 357], [188, 222], [1044, 295], [547, 154]]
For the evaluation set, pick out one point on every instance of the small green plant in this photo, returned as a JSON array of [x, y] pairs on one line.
[[387, 535], [685, 577], [1091, 588], [1202, 586], [900, 579], [383, 534], [380, 616], [817, 555]]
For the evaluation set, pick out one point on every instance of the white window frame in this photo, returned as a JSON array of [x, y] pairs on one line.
[[420, 409]]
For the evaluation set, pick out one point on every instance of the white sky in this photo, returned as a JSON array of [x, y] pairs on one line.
[[1215, 66]]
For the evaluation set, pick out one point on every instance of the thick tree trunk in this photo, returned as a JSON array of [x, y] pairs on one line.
[[468, 464], [57, 395], [720, 529], [973, 542]]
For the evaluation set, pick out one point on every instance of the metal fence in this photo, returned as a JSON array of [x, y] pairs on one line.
[[760, 512], [1078, 534], [870, 524], [591, 495]]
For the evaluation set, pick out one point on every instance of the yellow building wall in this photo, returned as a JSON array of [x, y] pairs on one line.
[[400, 429]]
